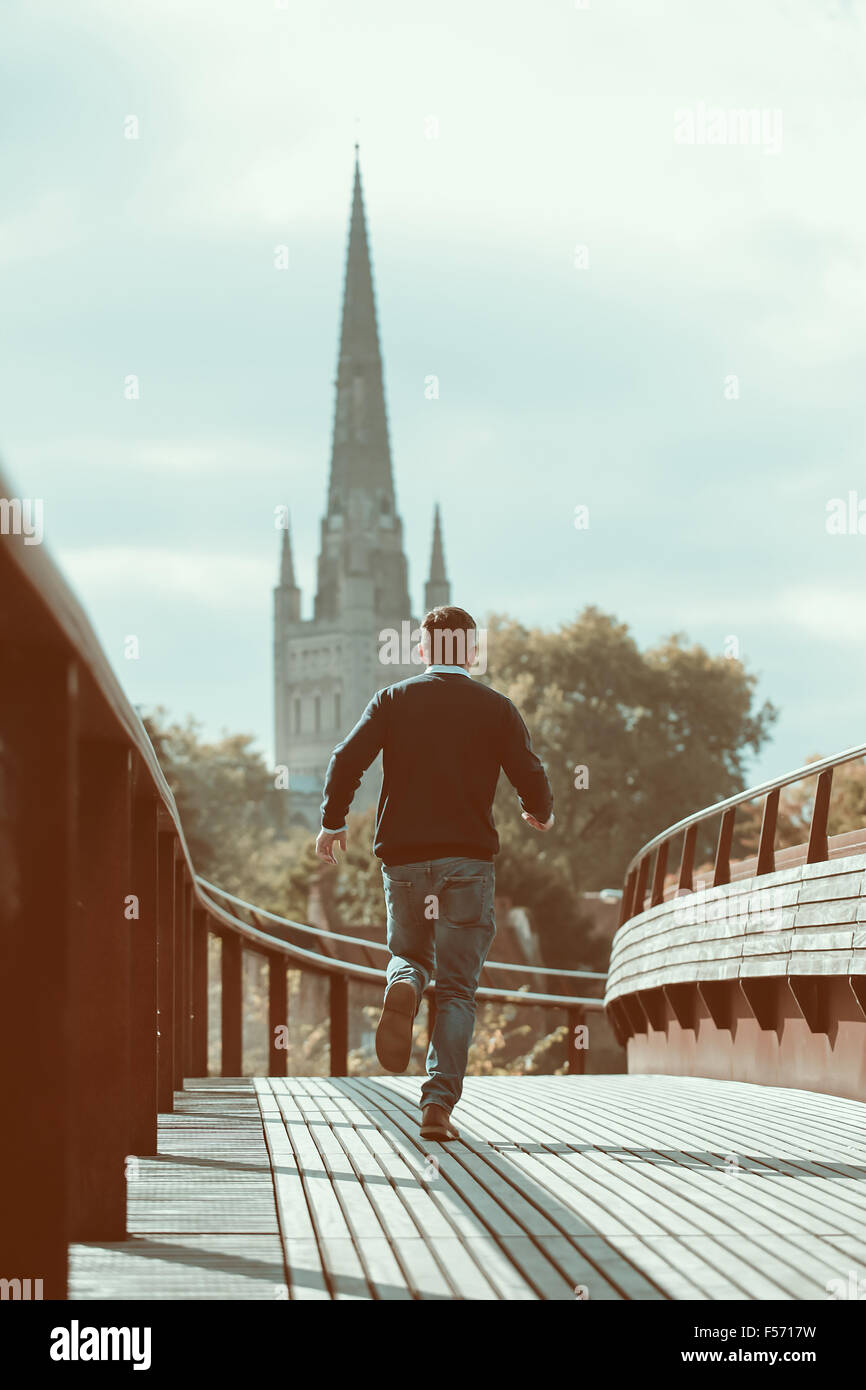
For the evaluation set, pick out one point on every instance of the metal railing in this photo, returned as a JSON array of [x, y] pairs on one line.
[[363, 941], [643, 871], [281, 953]]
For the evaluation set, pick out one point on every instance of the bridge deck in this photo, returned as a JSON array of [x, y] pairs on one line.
[[630, 1187]]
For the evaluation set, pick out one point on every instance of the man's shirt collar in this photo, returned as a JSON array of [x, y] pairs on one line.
[[446, 670]]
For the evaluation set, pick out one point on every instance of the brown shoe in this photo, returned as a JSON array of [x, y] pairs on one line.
[[394, 1032], [436, 1124]]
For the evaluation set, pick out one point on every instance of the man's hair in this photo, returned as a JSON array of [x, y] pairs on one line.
[[449, 630]]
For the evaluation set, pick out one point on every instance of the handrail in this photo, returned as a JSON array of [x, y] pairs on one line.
[[807, 770], [365, 974], [637, 875], [325, 933]]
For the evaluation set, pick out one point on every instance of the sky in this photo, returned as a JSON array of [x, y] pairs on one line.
[[633, 300]]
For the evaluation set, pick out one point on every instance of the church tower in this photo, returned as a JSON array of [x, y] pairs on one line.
[[328, 666]]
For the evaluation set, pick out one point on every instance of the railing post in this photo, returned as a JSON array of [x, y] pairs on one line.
[[143, 1049], [687, 862], [199, 992], [576, 1055], [640, 890], [165, 970], [818, 847], [231, 1005], [190, 1066], [658, 890], [625, 907], [278, 1014], [722, 869], [767, 846], [101, 962], [38, 810], [180, 913], [339, 1025]]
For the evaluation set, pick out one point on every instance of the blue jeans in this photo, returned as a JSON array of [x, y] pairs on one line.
[[440, 916]]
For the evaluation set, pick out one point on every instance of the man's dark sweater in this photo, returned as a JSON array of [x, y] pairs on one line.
[[443, 737]]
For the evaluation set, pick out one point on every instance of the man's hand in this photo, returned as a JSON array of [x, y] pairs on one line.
[[537, 824], [325, 844]]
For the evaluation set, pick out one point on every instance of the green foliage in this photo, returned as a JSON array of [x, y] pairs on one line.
[[233, 818], [514, 1040], [355, 885], [660, 733]]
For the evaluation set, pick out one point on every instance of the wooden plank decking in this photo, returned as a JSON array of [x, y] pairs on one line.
[[606, 1187]]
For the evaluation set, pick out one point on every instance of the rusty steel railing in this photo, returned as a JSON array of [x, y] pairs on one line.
[[645, 871]]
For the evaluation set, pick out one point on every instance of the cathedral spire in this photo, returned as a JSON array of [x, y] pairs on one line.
[[361, 454], [437, 590], [361, 559]]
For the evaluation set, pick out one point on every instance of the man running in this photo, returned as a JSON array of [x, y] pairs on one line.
[[443, 738]]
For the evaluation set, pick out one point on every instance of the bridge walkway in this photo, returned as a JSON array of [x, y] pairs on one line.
[[561, 1187]]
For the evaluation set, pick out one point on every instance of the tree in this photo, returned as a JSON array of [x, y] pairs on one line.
[[352, 892], [234, 819], [632, 742]]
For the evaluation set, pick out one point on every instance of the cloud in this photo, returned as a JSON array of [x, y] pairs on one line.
[[32, 232], [826, 614], [217, 580], [823, 612]]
